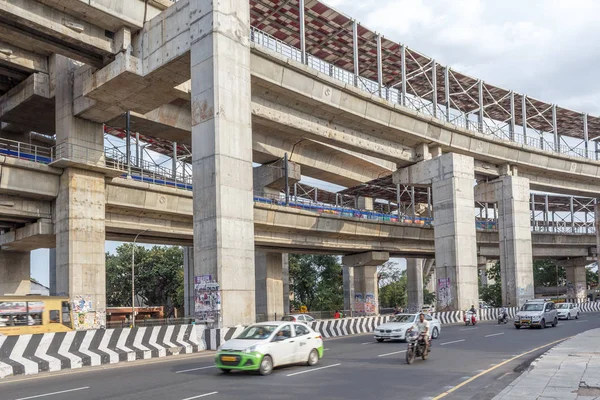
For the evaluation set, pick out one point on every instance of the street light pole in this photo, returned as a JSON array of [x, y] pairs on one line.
[[133, 278]]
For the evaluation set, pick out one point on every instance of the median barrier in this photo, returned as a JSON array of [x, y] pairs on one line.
[[31, 354], [329, 328]]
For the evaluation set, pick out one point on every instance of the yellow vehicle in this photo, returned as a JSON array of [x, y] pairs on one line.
[[21, 315]]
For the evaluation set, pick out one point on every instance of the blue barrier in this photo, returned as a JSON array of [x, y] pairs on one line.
[[26, 156]]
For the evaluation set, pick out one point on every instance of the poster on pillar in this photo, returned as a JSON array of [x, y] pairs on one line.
[[444, 293], [370, 304], [85, 316], [207, 299], [359, 304]]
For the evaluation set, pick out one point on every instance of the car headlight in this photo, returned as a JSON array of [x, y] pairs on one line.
[[250, 349]]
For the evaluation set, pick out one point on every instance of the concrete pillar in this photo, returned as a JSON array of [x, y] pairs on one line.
[[451, 177], [514, 231], [222, 155], [285, 276], [361, 286], [52, 270], [577, 278], [15, 276], [188, 282], [80, 205], [365, 203], [414, 284], [269, 286], [269, 179], [348, 276], [432, 283]]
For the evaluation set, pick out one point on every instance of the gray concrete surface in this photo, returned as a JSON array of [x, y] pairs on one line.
[[569, 371]]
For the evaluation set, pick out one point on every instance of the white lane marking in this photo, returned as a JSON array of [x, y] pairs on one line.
[[325, 349], [456, 341], [495, 334], [368, 343], [200, 395], [314, 369], [468, 329], [194, 369], [583, 320], [53, 393], [389, 354]]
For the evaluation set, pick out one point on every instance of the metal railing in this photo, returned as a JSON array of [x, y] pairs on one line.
[[25, 151], [487, 126]]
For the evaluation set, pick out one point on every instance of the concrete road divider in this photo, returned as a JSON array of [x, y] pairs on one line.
[[31, 354]]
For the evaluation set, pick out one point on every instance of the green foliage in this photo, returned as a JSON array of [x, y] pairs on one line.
[[158, 276], [317, 282], [392, 290], [591, 276], [428, 297], [545, 273], [492, 294]]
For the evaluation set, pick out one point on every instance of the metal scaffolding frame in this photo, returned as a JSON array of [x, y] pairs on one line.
[[339, 46]]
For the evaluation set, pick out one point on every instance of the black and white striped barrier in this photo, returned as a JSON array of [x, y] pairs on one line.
[[31, 354]]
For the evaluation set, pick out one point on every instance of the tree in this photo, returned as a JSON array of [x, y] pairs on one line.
[[591, 275], [393, 291], [316, 281], [158, 276], [492, 294], [545, 273]]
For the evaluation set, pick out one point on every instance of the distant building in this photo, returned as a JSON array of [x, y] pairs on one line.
[[38, 289]]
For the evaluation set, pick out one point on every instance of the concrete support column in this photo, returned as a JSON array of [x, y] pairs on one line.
[[52, 270], [451, 177], [222, 155], [577, 278], [188, 282], [80, 205], [514, 231], [285, 276], [414, 285], [361, 286], [15, 276], [269, 286]]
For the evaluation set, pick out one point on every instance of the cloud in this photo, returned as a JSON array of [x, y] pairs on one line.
[[545, 49]]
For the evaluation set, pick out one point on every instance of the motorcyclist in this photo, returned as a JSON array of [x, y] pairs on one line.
[[423, 329], [504, 312], [472, 310]]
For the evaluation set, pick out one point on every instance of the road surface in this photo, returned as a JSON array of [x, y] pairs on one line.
[[465, 363]]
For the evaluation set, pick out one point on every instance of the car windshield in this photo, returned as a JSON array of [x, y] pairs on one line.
[[562, 306], [404, 318], [532, 307], [257, 332], [288, 318]]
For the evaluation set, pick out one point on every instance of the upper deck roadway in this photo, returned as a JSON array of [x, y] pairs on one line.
[[356, 367]]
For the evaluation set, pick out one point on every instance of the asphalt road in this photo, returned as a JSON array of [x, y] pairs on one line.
[[465, 363]]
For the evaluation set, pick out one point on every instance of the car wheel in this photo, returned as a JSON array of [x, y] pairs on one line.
[[577, 316], [225, 370], [555, 322], [568, 316], [435, 333], [518, 326], [313, 358], [380, 340], [543, 324], [266, 365]]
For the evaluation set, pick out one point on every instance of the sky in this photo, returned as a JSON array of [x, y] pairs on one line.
[[546, 49]]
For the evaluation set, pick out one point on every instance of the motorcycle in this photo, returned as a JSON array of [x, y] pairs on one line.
[[470, 318], [416, 346], [502, 318]]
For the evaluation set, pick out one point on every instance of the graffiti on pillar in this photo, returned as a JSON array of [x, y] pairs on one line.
[[207, 299], [580, 291], [370, 304], [444, 293], [359, 304], [85, 316]]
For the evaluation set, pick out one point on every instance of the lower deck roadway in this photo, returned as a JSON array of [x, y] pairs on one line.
[[357, 368]]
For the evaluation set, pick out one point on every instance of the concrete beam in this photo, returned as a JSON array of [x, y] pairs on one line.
[[45, 30], [371, 258], [576, 262], [37, 235], [22, 60], [25, 178], [112, 15], [30, 98], [272, 176], [24, 209]]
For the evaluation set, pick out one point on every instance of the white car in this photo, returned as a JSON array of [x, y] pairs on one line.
[[261, 347], [304, 318], [567, 310], [396, 328]]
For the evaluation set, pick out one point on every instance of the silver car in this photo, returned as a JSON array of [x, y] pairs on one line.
[[538, 313]]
